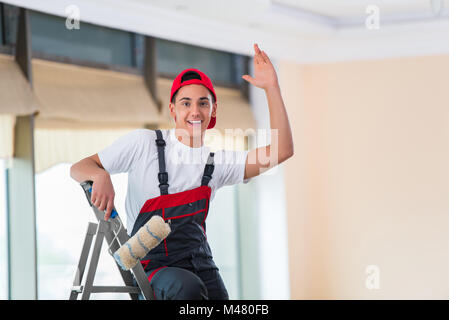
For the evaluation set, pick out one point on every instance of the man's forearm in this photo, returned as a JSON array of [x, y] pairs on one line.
[[283, 142], [86, 169]]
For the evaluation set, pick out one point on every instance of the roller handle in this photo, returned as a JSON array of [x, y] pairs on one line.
[[113, 213]]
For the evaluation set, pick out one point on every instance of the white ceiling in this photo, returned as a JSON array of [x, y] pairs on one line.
[[351, 8], [305, 31], [343, 13]]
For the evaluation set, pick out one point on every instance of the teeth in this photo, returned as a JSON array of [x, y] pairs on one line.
[[195, 122]]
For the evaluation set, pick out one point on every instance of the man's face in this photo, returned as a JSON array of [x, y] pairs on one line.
[[193, 109]]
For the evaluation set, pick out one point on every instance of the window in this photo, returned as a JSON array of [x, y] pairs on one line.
[[3, 234], [89, 43], [10, 20], [1, 24], [222, 67], [225, 249]]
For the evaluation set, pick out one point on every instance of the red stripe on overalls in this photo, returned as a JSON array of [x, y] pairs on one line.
[[186, 215], [152, 275], [154, 272], [165, 239], [205, 216], [144, 263]]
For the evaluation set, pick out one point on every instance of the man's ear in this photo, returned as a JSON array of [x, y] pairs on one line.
[[172, 110], [214, 110]]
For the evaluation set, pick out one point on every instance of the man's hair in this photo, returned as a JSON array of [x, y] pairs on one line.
[[189, 76]]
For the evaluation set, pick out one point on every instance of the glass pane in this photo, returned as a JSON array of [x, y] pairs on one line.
[[90, 43], [1, 24], [62, 215], [3, 235], [225, 250], [173, 57], [11, 16], [139, 50]]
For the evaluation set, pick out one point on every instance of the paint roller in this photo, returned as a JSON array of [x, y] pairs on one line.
[[145, 239]]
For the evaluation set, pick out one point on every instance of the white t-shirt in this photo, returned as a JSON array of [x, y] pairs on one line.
[[136, 153]]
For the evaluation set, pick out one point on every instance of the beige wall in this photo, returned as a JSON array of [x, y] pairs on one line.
[[369, 181]]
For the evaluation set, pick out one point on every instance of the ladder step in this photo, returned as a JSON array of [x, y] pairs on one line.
[[126, 289]]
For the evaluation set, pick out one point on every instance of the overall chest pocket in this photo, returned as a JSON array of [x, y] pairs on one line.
[[186, 212], [187, 218]]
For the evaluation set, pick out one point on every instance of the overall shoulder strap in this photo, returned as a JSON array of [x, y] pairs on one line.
[[162, 175], [208, 170]]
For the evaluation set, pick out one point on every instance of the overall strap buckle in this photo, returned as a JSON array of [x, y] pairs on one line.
[[162, 175], [160, 142], [208, 170]]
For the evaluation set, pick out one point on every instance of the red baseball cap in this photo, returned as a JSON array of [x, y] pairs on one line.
[[193, 76]]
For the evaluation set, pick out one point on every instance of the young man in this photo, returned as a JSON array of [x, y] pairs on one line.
[[172, 174]]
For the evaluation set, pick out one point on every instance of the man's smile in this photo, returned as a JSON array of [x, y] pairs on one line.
[[194, 122]]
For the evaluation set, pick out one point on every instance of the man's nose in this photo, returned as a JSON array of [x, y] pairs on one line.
[[195, 109]]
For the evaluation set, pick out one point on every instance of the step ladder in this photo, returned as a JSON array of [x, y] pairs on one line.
[[115, 234]]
